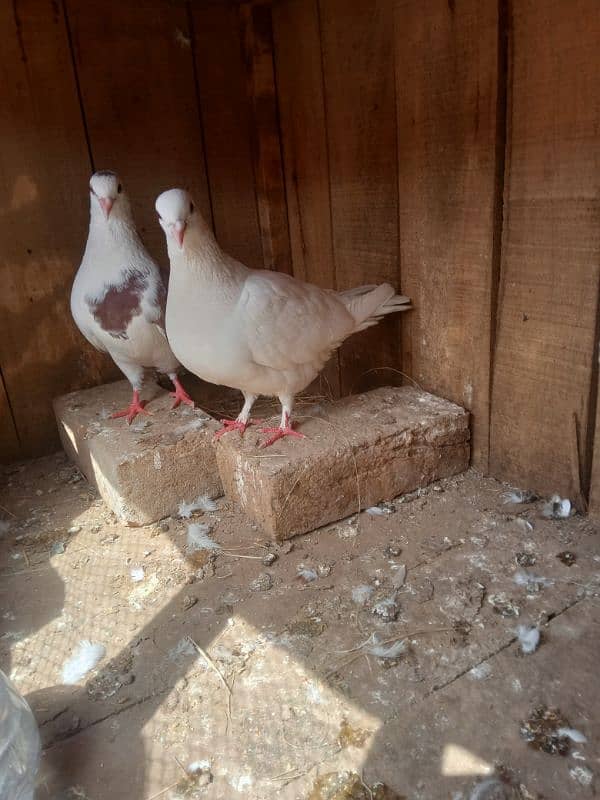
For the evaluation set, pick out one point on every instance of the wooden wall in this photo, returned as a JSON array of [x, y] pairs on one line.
[[451, 147]]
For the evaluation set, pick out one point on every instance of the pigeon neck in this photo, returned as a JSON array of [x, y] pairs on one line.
[[202, 254], [119, 226]]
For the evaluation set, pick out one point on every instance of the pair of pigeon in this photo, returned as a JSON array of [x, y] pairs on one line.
[[262, 332]]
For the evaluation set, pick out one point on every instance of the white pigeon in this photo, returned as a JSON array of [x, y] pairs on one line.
[[118, 296], [262, 332]]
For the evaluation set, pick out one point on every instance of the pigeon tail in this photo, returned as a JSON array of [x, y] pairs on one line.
[[369, 304]]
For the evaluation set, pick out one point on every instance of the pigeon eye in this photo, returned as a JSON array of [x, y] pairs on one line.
[[119, 189], [191, 208]]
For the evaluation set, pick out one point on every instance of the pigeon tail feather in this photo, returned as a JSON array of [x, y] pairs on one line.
[[369, 304]]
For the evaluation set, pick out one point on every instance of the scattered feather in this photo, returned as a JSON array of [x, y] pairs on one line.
[[184, 647], [202, 503], [582, 775], [198, 766], [517, 496], [574, 735], [480, 672], [361, 594], [529, 638], [399, 576], [524, 524], [137, 574], [307, 574], [531, 581], [557, 507], [390, 651], [198, 538], [375, 511], [4, 526], [489, 788], [84, 659]]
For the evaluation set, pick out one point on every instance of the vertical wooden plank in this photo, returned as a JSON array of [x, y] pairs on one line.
[[9, 440], [136, 73], [593, 449], [44, 168], [268, 169], [358, 66], [227, 118], [299, 73], [544, 361], [446, 77]]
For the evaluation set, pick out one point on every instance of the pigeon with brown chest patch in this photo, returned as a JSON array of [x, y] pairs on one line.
[[118, 297]]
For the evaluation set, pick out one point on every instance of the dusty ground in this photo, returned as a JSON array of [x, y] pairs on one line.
[[282, 689]]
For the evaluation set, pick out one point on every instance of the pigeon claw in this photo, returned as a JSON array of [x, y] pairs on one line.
[[180, 396], [235, 425], [279, 433], [135, 407]]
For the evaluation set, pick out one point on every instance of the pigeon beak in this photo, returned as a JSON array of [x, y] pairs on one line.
[[107, 204], [178, 231]]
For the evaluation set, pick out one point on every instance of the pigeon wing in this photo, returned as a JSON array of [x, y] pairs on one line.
[[287, 322]]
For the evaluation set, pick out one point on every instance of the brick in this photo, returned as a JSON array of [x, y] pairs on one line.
[[145, 470], [384, 443]]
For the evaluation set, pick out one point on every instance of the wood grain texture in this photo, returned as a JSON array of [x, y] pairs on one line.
[[544, 362], [358, 65], [268, 168], [227, 118], [136, 73], [300, 90], [446, 77], [44, 170]]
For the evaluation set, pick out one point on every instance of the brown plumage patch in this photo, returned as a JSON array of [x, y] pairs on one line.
[[119, 305]]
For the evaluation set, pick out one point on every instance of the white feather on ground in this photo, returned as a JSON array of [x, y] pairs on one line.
[[360, 594], [198, 538], [4, 526], [87, 656], [307, 574], [574, 735], [376, 511], [480, 672], [387, 651], [518, 496], [399, 577], [522, 578], [529, 638], [557, 507], [137, 574], [202, 503], [487, 789]]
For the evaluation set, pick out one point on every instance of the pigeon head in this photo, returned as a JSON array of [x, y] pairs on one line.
[[105, 189], [176, 211]]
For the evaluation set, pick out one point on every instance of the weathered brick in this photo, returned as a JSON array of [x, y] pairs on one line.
[[359, 451], [145, 470]]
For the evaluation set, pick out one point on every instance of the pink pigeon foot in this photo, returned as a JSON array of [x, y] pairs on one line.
[[135, 407], [235, 425], [180, 395], [279, 433]]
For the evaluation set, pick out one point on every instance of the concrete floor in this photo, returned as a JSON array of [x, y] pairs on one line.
[[283, 697]]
